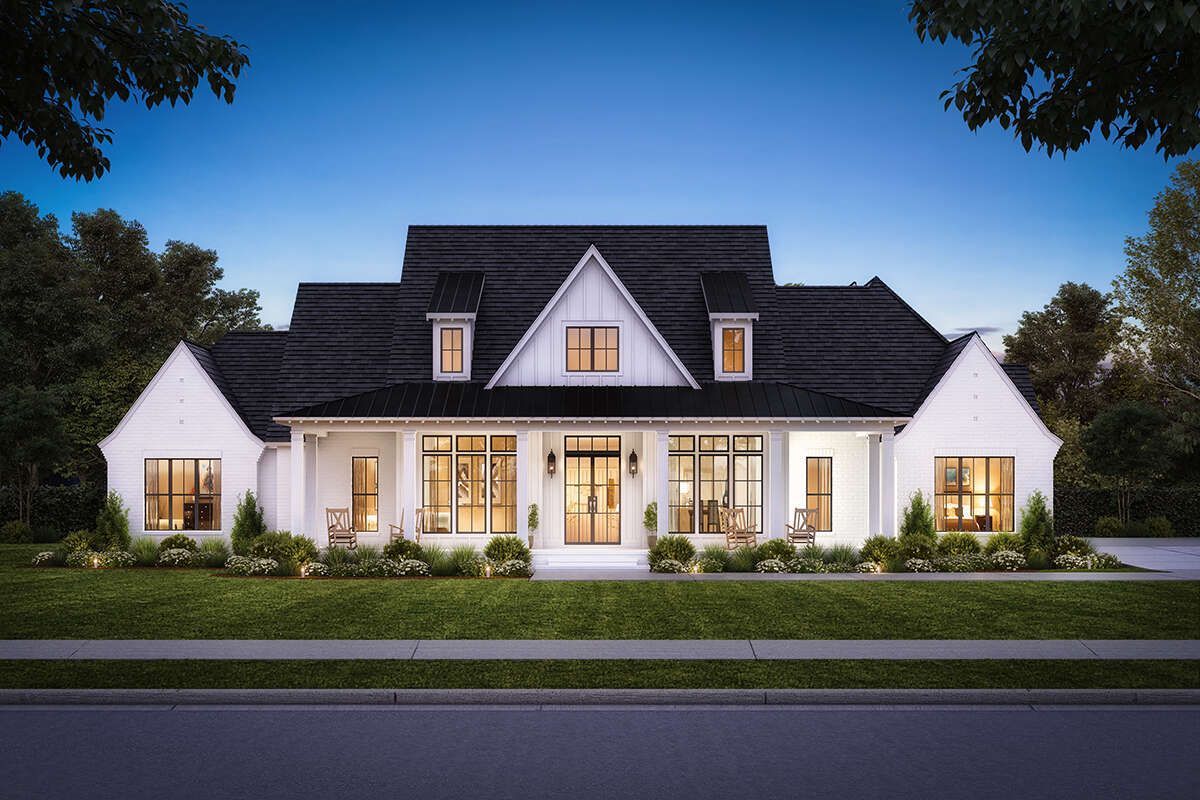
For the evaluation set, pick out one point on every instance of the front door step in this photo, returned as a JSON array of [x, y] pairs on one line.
[[589, 558]]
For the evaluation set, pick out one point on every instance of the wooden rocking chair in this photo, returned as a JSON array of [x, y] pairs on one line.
[[396, 529], [737, 532], [418, 524], [341, 532], [802, 530]]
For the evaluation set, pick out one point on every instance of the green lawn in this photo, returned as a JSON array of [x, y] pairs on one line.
[[601, 674], [154, 603]]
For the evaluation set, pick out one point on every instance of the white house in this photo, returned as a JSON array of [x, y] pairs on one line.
[[590, 370]]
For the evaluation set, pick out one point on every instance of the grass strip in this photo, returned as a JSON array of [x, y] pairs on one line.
[[618, 674]]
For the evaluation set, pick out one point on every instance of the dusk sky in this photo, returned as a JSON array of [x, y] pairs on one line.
[[825, 125]]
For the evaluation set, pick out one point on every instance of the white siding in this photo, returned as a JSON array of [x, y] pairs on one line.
[[181, 415], [975, 411], [333, 479], [268, 487], [850, 482], [592, 299]]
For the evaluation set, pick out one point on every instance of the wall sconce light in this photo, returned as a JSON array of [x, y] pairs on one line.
[[551, 464], [633, 462]]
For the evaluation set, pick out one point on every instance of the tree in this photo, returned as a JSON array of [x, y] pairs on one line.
[[1055, 71], [1037, 526], [31, 438], [62, 63], [112, 524], [1064, 345], [1128, 444], [248, 524], [1159, 296]]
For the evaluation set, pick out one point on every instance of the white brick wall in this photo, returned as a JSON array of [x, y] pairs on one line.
[[181, 415], [976, 412], [850, 482]]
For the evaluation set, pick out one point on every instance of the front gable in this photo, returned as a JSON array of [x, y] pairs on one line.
[[592, 295]]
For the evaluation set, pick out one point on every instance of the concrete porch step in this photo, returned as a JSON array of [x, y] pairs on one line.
[[585, 557]]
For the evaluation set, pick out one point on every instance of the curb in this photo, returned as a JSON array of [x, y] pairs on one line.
[[598, 697]]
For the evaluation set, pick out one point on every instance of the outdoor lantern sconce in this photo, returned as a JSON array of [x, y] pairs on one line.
[[551, 464], [633, 462]]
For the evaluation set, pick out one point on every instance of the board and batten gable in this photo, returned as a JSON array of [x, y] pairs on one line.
[[592, 296], [975, 410], [181, 414]]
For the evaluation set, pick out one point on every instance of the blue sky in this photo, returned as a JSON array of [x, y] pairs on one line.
[[822, 123]]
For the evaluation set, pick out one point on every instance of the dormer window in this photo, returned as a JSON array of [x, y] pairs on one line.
[[452, 350], [731, 313], [733, 350], [452, 309]]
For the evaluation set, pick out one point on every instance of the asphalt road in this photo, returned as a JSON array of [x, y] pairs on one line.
[[280, 752]]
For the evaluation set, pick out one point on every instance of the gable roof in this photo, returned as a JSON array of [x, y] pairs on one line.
[[858, 344]]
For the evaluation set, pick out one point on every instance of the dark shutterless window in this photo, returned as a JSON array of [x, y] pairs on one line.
[[973, 493], [593, 349], [183, 494], [364, 471], [437, 482], [503, 475], [820, 491], [707, 473]]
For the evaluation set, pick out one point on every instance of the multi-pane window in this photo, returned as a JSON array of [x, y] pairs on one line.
[[733, 349], [593, 349], [364, 492], [973, 493], [708, 473], [466, 482], [503, 472], [452, 349], [681, 484], [183, 494], [437, 482], [819, 491]]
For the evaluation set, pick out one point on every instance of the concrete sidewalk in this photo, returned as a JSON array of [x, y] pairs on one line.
[[597, 649]]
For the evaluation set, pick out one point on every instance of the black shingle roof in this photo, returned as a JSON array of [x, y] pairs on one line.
[[456, 293], [727, 292], [846, 350], [470, 400]]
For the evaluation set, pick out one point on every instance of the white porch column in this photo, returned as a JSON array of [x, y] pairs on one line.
[[410, 480], [873, 517], [777, 477], [299, 502], [888, 482], [398, 484], [523, 476], [661, 462]]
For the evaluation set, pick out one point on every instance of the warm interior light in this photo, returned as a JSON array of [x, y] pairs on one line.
[[633, 465]]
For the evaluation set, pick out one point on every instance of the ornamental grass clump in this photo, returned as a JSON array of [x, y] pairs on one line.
[[438, 560], [671, 547], [213, 553], [467, 561], [742, 559], [145, 550], [713, 558], [842, 556]]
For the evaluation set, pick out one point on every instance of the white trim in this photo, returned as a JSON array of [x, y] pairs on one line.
[[977, 342], [468, 344], [718, 347], [158, 376], [619, 324], [591, 253]]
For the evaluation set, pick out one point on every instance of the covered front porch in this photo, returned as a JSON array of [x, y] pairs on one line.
[[591, 483]]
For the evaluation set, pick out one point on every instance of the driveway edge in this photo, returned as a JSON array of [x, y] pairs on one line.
[[596, 697]]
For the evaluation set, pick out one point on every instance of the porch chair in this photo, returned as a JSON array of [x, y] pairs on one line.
[[802, 530], [396, 529], [418, 524], [341, 532], [737, 532]]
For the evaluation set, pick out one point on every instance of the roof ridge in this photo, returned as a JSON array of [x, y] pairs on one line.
[[876, 282]]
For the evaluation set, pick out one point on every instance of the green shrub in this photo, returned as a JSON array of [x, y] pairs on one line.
[[650, 518], [779, 549], [743, 559], [178, 541], [958, 543], [506, 548], [16, 532], [438, 560], [337, 557], [1108, 526], [921, 546], [842, 555], [466, 560], [283, 546], [57, 508], [399, 550], [1073, 545], [145, 551], [46, 534], [78, 541], [1038, 559], [674, 547], [1077, 509], [918, 538], [288, 568], [532, 517], [213, 553], [879, 549], [713, 558], [248, 523], [365, 553], [814, 552], [112, 524], [1159, 526], [50, 558], [1037, 525], [1002, 541]]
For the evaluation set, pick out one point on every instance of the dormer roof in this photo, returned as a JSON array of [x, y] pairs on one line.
[[456, 294], [727, 294]]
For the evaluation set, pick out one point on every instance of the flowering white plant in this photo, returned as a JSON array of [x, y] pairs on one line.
[[240, 565], [512, 568], [802, 564], [918, 565], [867, 566], [1072, 561], [176, 557], [1009, 560], [769, 565], [670, 565], [44, 559], [314, 569], [1104, 561]]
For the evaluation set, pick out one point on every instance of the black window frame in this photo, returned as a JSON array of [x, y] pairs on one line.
[[590, 349], [823, 521], [213, 498], [357, 496]]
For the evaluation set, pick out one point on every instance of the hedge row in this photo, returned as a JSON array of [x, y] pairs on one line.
[[1076, 509], [57, 510]]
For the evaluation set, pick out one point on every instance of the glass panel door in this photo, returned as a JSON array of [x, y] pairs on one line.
[[593, 490]]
